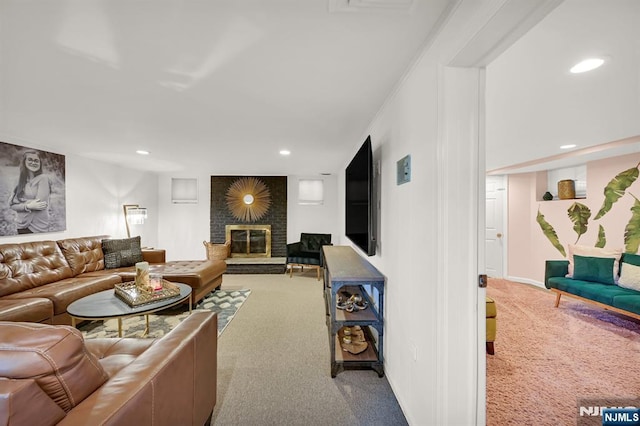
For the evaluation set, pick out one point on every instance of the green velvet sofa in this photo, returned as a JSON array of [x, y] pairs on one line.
[[595, 290]]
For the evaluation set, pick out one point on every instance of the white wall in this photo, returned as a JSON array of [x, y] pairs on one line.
[[407, 242], [429, 245], [322, 219], [428, 241], [95, 193], [183, 227]]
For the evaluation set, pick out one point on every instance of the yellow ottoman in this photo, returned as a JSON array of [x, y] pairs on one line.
[[492, 313]]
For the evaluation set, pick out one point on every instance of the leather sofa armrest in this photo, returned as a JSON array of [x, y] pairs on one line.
[[154, 255], [23, 402], [555, 268], [171, 383]]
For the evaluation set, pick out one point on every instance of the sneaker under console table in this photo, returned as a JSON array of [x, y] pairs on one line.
[[354, 302]]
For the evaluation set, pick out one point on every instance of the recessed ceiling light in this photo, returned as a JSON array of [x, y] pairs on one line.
[[142, 152], [285, 152], [586, 65], [568, 146]]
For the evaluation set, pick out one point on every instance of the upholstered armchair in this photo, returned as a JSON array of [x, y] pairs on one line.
[[306, 252]]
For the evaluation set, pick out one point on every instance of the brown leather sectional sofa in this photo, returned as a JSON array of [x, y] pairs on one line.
[[39, 279], [49, 375]]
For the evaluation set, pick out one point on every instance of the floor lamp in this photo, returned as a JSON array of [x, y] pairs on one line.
[[134, 215]]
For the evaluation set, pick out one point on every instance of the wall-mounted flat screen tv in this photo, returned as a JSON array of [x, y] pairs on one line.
[[359, 206]]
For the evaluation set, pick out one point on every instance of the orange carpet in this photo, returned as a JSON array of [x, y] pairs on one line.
[[548, 358]]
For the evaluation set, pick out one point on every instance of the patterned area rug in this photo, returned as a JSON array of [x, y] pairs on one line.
[[225, 302]]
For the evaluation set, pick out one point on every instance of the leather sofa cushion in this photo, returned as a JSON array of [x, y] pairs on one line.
[[196, 273], [154, 255], [32, 310], [19, 399], [63, 292], [171, 383], [54, 356], [116, 353], [28, 265], [83, 254]]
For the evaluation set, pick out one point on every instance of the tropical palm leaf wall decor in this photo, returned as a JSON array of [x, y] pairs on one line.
[[632, 230], [579, 214], [616, 188], [550, 233], [602, 238]]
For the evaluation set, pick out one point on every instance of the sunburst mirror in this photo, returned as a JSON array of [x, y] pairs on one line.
[[248, 199]]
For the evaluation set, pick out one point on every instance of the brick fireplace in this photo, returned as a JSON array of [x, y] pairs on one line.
[[276, 217]]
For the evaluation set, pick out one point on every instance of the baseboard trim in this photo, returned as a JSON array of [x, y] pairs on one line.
[[526, 281]]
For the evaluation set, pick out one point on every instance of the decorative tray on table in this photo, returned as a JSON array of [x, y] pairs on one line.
[[135, 295]]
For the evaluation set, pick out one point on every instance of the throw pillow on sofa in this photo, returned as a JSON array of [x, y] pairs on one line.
[[53, 356], [615, 254], [630, 276], [121, 253], [631, 258], [595, 269]]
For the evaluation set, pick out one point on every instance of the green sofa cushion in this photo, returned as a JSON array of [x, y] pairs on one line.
[[629, 303], [564, 284], [602, 293], [595, 269]]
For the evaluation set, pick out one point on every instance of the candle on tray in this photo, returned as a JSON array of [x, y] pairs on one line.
[[156, 281], [142, 274]]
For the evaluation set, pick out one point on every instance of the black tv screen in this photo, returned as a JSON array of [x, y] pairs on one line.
[[359, 206]]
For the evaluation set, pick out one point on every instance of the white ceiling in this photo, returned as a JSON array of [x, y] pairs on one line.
[[535, 105], [224, 85], [221, 85]]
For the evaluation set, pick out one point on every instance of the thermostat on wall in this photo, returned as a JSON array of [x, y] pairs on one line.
[[403, 167]]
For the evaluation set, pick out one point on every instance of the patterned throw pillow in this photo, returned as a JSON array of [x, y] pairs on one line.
[[121, 253]]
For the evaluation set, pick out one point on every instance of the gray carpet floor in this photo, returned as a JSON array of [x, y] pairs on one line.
[[274, 364]]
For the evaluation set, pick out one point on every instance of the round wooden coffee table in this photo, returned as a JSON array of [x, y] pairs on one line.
[[106, 305]]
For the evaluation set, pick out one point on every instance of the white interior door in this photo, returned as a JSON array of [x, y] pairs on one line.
[[494, 226]]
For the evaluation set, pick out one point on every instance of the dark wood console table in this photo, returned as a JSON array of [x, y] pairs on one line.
[[347, 273]]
